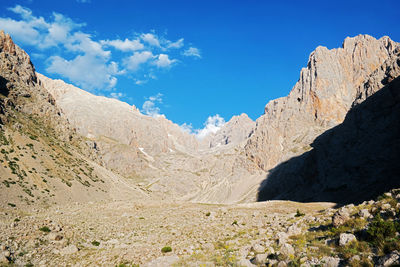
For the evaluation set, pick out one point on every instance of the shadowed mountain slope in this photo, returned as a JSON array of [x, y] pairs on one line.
[[355, 161]]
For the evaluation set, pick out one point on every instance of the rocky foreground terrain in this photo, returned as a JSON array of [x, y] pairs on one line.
[[133, 233], [81, 186]]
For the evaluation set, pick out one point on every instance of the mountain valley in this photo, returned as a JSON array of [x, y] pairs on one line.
[[88, 180]]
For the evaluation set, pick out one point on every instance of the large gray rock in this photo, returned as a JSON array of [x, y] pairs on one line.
[[340, 217], [345, 239], [390, 259], [287, 250]]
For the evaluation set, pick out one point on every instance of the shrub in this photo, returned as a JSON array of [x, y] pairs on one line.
[[379, 230], [11, 205], [45, 229], [95, 243], [166, 249], [208, 214], [299, 214], [353, 248]]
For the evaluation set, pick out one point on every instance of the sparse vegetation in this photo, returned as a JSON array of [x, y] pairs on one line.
[[299, 213], [166, 249], [45, 229]]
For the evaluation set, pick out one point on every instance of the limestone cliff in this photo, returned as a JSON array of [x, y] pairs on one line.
[[325, 92]]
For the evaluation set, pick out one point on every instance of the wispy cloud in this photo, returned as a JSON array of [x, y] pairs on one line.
[[212, 125], [192, 52], [117, 95], [126, 45], [86, 61], [133, 62], [150, 107]]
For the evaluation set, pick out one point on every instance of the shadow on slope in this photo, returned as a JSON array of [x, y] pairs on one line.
[[352, 162]]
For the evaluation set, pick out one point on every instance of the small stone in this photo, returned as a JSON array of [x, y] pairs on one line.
[[260, 259], [386, 206], [340, 217], [244, 251], [257, 248], [364, 213], [388, 194], [330, 262], [287, 250], [7, 253], [282, 238], [355, 258], [163, 261], [282, 264], [4, 259], [390, 259], [55, 236], [245, 263], [293, 230], [344, 239], [71, 249]]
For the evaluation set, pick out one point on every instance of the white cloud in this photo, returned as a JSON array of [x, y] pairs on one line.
[[82, 42], [151, 39], [192, 52], [117, 95], [187, 128], [178, 44], [126, 45], [83, 1], [150, 106], [86, 61], [133, 62], [212, 125], [163, 61], [37, 31], [87, 71], [140, 82]]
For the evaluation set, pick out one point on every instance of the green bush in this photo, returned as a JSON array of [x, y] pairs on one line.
[[299, 214], [379, 230], [45, 229], [166, 249], [95, 243]]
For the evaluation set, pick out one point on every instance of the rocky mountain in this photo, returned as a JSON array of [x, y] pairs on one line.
[[321, 98], [235, 131], [355, 160], [156, 153], [42, 159]]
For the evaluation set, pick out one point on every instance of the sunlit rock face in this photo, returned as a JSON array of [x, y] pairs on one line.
[[325, 92]]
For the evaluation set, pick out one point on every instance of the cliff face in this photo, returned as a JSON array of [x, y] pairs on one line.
[[325, 92], [352, 162]]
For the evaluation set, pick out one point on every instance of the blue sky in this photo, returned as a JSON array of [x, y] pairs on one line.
[[189, 60]]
